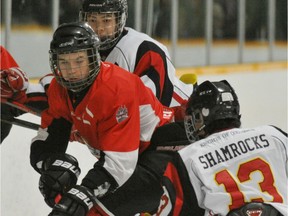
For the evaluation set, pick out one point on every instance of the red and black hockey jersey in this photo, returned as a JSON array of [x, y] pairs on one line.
[[116, 119]]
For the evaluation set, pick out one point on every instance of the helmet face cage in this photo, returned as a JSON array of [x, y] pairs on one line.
[[107, 18], [74, 56], [194, 125], [190, 128], [75, 70]]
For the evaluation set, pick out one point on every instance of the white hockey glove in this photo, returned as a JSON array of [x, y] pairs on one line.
[[14, 83]]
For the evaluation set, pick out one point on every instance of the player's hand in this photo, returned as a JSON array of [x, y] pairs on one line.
[[14, 83], [59, 172], [75, 202]]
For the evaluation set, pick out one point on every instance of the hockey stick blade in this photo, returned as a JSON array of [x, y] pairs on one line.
[[19, 122]]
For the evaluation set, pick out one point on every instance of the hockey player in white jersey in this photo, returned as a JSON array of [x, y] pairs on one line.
[[231, 171], [134, 51]]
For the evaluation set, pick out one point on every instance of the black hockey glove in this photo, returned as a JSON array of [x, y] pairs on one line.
[[76, 202], [59, 173]]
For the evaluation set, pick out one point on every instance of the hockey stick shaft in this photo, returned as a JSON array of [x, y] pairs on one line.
[[23, 107], [19, 122]]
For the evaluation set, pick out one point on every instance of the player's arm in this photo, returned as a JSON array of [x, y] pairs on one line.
[[16, 88], [51, 140], [14, 83], [177, 185], [58, 170], [53, 136], [37, 93], [14, 80], [99, 181], [152, 66], [117, 161]]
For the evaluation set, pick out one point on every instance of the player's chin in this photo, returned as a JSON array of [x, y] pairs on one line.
[[73, 80]]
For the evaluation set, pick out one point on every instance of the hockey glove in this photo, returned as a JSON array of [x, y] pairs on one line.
[[59, 172], [76, 202], [14, 83]]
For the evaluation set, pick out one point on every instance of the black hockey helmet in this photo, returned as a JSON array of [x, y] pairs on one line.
[[74, 38], [117, 7], [209, 103]]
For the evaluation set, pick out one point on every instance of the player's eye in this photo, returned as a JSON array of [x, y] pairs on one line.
[[91, 19], [80, 61], [63, 63], [108, 20]]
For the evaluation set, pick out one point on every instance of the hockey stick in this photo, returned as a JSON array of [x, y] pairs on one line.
[[23, 107], [19, 122]]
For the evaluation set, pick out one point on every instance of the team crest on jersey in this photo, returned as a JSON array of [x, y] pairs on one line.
[[122, 114]]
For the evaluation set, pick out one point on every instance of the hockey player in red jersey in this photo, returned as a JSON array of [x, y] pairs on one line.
[[134, 51], [114, 112], [15, 87], [14, 80], [226, 170], [14, 83]]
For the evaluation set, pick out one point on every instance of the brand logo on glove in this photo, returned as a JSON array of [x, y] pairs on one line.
[[67, 165], [81, 196]]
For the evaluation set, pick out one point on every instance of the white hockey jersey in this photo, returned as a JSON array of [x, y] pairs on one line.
[[140, 54], [237, 166]]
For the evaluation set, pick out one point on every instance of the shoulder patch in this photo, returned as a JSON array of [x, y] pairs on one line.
[[121, 114]]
